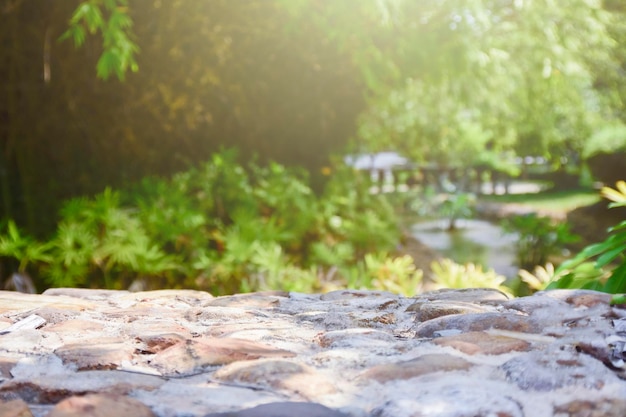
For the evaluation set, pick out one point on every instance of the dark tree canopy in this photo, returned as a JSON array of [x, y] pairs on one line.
[[293, 81], [212, 74]]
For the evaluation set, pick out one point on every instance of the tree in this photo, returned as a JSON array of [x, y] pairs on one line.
[[493, 75], [286, 80], [213, 74]]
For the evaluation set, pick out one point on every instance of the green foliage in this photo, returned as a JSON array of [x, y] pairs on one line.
[[449, 206], [551, 200], [505, 79], [600, 266], [457, 206], [348, 212], [340, 253], [395, 274], [100, 243], [24, 249], [539, 238], [608, 139], [502, 162], [118, 55], [449, 274], [426, 122], [540, 278], [580, 275], [423, 202], [223, 228], [447, 81], [286, 198]]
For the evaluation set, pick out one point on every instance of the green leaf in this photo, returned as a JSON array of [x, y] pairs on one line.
[[118, 54], [93, 19], [119, 21], [112, 4], [81, 11], [618, 299], [609, 255], [580, 275], [597, 248], [592, 284], [14, 232], [79, 35], [66, 35], [563, 282], [570, 264], [617, 282], [619, 226], [108, 64], [592, 250]]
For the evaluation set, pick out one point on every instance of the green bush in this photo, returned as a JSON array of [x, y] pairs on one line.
[[539, 238], [221, 227], [600, 266], [395, 274], [449, 274], [457, 206], [607, 140], [101, 243], [23, 250]]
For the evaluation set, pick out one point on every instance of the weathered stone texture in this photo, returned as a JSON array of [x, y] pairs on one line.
[[447, 353]]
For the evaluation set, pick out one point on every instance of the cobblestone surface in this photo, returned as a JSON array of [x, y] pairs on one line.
[[180, 353]]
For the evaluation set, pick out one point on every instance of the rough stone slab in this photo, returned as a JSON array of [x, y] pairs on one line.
[[14, 408], [460, 402], [553, 369], [6, 364], [190, 356], [190, 297], [254, 300], [76, 329], [286, 409], [579, 298], [599, 408], [339, 295], [469, 295], [11, 301], [100, 405], [98, 354], [478, 322], [21, 341], [428, 310], [350, 353], [473, 343], [283, 375], [87, 294], [422, 365], [32, 321]]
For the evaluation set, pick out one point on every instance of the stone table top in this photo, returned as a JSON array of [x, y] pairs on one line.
[[183, 353]]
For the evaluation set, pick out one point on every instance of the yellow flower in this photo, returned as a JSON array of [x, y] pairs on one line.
[[618, 195]]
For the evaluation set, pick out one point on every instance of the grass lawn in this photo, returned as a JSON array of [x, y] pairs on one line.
[[557, 201]]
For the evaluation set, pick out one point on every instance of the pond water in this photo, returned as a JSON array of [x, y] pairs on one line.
[[477, 241]]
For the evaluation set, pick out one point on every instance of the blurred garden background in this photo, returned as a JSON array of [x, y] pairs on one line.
[[311, 145]]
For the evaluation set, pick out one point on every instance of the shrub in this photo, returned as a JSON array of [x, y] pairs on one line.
[[398, 275], [222, 228], [99, 243], [600, 266], [449, 274], [457, 206], [23, 250], [539, 238]]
